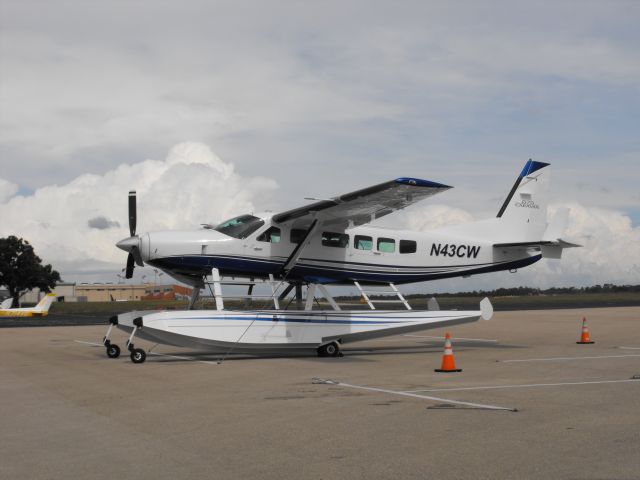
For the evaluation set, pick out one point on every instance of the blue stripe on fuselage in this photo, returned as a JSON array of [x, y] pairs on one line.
[[294, 320], [202, 265]]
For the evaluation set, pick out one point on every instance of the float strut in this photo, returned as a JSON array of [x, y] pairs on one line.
[[113, 350], [137, 322]]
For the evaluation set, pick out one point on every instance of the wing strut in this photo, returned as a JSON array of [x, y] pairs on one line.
[[297, 252]]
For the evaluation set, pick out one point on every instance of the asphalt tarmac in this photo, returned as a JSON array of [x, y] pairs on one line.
[[55, 320], [530, 403]]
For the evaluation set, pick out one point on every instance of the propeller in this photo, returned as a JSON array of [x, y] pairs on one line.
[[133, 216], [132, 244], [130, 266]]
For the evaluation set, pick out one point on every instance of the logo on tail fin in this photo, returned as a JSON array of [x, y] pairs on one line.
[[526, 201], [527, 204]]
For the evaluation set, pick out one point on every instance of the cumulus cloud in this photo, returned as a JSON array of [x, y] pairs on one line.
[[423, 84], [7, 190], [610, 252], [74, 226]]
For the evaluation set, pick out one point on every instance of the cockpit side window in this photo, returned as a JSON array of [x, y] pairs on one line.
[[271, 235], [240, 227]]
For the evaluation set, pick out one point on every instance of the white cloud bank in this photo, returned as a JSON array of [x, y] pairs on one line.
[[7, 190], [610, 252], [75, 226]]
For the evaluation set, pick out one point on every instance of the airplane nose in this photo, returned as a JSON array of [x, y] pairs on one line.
[[128, 244]]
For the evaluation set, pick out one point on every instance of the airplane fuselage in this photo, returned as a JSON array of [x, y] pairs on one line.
[[339, 240], [366, 253], [19, 312]]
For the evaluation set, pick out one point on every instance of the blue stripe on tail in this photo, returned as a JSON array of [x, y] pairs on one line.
[[531, 167]]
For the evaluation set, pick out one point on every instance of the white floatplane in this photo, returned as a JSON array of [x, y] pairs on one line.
[[283, 331], [333, 241]]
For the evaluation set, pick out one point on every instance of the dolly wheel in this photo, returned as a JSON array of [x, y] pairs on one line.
[[113, 351], [329, 350], [332, 349], [138, 355]]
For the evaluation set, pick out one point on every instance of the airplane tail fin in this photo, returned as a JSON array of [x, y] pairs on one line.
[[527, 200], [525, 210], [521, 224], [6, 303], [43, 305]]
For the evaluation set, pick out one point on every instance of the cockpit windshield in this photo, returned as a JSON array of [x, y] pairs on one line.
[[240, 227]]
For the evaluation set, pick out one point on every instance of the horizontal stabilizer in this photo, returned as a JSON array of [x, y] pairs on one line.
[[537, 244], [548, 248], [554, 250], [551, 245]]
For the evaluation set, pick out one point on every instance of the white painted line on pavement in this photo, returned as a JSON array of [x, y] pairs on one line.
[[491, 387], [452, 338], [93, 344], [425, 397], [564, 358]]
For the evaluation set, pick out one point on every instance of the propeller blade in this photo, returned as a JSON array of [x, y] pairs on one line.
[[133, 216], [130, 266], [135, 251]]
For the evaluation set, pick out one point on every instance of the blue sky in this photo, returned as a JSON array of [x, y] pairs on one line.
[[296, 92]]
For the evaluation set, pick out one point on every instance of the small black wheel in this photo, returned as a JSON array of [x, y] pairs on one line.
[[138, 355], [329, 350], [113, 351]]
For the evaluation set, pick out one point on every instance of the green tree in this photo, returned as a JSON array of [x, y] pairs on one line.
[[21, 269]]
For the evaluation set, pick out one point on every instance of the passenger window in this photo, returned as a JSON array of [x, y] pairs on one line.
[[334, 239], [408, 246], [362, 242], [297, 234], [386, 245], [271, 235]]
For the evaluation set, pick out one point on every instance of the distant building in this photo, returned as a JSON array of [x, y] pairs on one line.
[[167, 292], [106, 292], [65, 291]]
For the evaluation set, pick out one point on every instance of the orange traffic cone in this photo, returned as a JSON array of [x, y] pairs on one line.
[[448, 362], [584, 337]]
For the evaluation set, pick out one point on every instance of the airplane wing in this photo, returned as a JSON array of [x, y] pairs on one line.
[[363, 206]]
